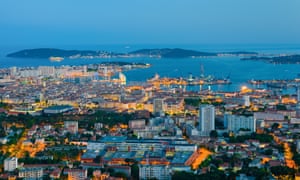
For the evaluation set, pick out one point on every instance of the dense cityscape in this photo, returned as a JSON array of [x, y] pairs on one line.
[[149, 90], [81, 122]]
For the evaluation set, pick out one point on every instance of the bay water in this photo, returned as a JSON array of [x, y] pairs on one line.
[[238, 71]]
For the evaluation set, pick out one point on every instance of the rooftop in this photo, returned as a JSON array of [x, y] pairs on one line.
[[58, 107]]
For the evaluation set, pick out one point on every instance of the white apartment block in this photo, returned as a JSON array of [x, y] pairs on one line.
[[10, 164], [206, 119], [161, 172], [31, 173], [235, 123], [71, 126]]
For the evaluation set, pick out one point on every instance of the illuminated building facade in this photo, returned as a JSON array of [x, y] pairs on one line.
[[158, 106], [206, 119]]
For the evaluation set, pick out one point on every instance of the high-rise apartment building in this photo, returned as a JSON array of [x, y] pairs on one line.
[[158, 106], [206, 119]]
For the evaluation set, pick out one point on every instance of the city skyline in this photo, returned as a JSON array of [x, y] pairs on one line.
[[149, 89]]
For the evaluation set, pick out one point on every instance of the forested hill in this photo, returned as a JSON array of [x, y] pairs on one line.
[[159, 53]]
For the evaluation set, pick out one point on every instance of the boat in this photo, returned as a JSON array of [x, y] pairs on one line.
[[58, 59]]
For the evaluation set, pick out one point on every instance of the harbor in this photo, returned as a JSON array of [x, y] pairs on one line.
[[277, 84], [190, 81]]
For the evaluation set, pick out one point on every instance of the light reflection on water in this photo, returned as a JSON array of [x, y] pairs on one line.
[[240, 72]]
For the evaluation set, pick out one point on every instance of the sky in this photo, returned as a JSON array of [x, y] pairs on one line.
[[65, 22]]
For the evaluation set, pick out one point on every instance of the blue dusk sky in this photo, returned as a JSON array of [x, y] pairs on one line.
[[65, 22]]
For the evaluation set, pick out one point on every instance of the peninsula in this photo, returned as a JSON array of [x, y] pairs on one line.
[[152, 53], [283, 59]]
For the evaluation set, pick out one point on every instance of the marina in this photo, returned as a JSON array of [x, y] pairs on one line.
[[191, 81]]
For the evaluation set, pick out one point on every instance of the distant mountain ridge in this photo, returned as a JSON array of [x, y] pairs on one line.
[[160, 53], [172, 53], [284, 59], [49, 52]]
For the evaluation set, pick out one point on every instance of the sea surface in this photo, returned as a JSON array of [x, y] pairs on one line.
[[238, 71]]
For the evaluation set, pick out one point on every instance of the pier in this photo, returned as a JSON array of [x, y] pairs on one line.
[[166, 81]]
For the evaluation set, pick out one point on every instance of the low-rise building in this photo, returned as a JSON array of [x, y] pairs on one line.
[[76, 174], [31, 173], [137, 124], [10, 164], [71, 126], [161, 172], [57, 109]]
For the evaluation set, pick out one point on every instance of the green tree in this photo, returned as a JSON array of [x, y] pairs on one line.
[[281, 107], [120, 175], [213, 134], [275, 126], [268, 152], [2, 132], [296, 158], [135, 171], [97, 159], [258, 173], [282, 172], [90, 172], [179, 175], [192, 101]]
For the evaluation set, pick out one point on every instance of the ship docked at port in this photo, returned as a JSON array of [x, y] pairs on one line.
[[56, 58], [190, 80]]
